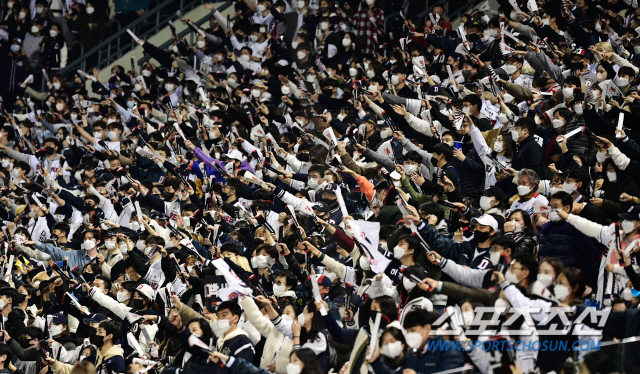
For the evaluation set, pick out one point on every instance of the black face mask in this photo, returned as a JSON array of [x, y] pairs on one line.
[[91, 331], [138, 304], [473, 38], [481, 236], [434, 161], [50, 150], [327, 92], [97, 340], [167, 196], [540, 83], [89, 277], [304, 157], [89, 208], [323, 9], [77, 85], [24, 342]]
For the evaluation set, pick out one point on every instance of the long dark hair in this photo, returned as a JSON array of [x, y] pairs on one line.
[[317, 325], [311, 363]]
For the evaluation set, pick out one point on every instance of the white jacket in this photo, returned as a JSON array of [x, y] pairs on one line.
[[277, 347], [608, 283]]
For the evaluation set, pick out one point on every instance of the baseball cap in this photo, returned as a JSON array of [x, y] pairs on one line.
[[330, 187], [633, 214], [60, 319], [367, 119], [485, 220], [515, 57], [324, 280], [234, 154], [496, 192], [434, 90], [473, 23], [95, 318], [145, 290], [322, 206], [458, 57]]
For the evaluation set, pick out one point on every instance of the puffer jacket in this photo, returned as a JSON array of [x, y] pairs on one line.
[[565, 242]]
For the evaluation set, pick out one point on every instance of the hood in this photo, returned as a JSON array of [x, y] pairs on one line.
[[116, 350]]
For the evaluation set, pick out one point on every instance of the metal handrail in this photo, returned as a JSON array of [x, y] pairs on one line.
[[188, 30], [107, 43]]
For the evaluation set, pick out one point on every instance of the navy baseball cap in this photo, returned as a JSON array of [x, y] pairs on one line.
[[95, 318], [367, 119], [60, 319]]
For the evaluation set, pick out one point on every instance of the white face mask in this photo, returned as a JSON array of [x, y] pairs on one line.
[[395, 80], [557, 123], [485, 203], [55, 330], [497, 146], [466, 110], [110, 244], [253, 38], [414, 339], [561, 292], [22, 15], [223, 325], [398, 252], [371, 74], [324, 26], [5, 163], [259, 262], [467, 318], [168, 87], [15, 173], [200, 44], [113, 136], [410, 169], [569, 187], [278, 290], [312, 183], [256, 93], [510, 69], [554, 216], [301, 319], [89, 245], [285, 90], [391, 350], [294, 44], [385, 134], [612, 177], [301, 55], [627, 295], [122, 296], [545, 279], [39, 10], [146, 73], [123, 248], [293, 368], [90, 10], [59, 106], [408, 284], [622, 82], [35, 29], [601, 156], [346, 42], [567, 93], [353, 72], [300, 4], [553, 190], [370, 2], [511, 277], [53, 33], [578, 109], [524, 190], [627, 226], [495, 258]]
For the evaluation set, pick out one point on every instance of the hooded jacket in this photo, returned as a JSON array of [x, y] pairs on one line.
[[111, 362]]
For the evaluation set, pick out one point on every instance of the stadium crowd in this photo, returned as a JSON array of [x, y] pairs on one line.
[[307, 188]]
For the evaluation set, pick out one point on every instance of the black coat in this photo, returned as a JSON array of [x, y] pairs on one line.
[[529, 156]]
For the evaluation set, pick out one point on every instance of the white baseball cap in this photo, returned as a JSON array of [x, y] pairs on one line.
[[486, 220]]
